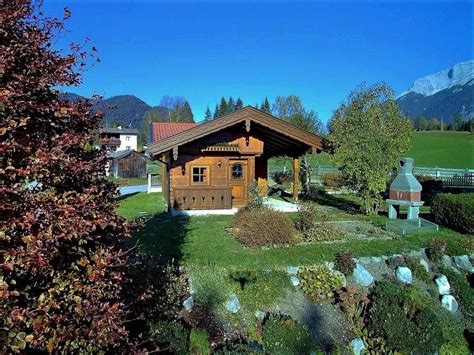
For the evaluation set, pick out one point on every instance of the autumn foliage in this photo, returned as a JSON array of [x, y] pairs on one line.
[[61, 255]]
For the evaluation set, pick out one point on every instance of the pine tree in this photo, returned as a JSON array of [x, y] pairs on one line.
[[230, 105], [238, 104], [222, 107], [216, 112], [265, 106], [208, 115], [186, 114]]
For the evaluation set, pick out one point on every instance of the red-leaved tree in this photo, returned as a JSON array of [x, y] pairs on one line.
[[61, 260]]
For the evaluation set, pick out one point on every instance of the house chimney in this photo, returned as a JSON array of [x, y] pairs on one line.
[[119, 127]]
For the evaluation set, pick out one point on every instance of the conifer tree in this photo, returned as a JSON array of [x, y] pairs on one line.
[[216, 112], [238, 104], [222, 107], [230, 105], [265, 106], [208, 115]]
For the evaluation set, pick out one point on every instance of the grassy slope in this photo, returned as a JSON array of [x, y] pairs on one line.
[[430, 149], [443, 149], [204, 241]]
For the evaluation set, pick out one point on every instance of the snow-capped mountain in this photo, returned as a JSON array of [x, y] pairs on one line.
[[441, 95]]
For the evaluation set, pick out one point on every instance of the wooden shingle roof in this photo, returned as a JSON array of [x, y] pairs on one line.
[[246, 115], [162, 130]]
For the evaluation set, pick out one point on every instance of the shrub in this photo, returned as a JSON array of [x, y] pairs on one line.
[[283, 335], [163, 288], [170, 335], [283, 178], [305, 220], [211, 286], [332, 180], [344, 262], [354, 304], [406, 323], [454, 211], [436, 249], [255, 196], [263, 227], [319, 282], [199, 342]]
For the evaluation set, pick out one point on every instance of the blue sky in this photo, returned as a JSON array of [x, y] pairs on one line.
[[317, 50]]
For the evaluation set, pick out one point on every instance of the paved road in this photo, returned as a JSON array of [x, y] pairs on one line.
[[126, 190]]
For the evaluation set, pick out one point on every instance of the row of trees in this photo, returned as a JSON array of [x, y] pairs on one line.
[[225, 107], [459, 124]]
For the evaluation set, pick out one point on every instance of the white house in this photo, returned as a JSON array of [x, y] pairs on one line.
[[128, 137]]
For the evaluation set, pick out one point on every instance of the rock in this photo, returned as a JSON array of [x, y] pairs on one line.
[[443, 285], [357, 346], [425, 264], [404, 274], [260, 315], [416, 253], [463, 263], [292, 270], [362, 276], [365, 260], [192, 291], [295, 281], [376, 259], [188, 303], [329, 264], [232, 304], [446, 261], [450, 303]]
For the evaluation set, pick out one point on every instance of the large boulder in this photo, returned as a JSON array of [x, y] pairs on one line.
[[446, 260], [357, 346], [463, 263], [362, 276], [232, 304], [450, 303], [404, 274], [443, 285]]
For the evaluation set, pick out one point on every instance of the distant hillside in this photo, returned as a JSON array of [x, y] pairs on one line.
[[442, 95], [122, 109]]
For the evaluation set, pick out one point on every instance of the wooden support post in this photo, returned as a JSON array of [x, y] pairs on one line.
[[296, 178]]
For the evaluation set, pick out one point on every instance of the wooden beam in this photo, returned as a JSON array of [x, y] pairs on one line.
[[296, 178]]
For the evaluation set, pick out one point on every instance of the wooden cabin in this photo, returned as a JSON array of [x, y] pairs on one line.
[[127, 164], [211, 165]]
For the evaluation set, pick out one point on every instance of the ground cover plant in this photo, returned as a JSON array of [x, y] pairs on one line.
[[318, 282], [283, 335]]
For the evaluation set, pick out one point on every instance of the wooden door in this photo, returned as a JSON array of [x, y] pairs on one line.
[[238, 177]]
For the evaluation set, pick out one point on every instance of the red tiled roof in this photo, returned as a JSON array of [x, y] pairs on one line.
[[162, 130]]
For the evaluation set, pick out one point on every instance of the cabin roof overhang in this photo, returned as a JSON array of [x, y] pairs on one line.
[[277, 132]]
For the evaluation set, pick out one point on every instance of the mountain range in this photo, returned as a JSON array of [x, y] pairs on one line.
[[125, 110], [441, 95]]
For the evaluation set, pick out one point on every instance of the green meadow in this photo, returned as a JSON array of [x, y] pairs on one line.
[[442, 149]]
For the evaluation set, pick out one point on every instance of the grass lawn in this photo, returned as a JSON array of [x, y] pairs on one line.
[[204, 241], [443, 149]]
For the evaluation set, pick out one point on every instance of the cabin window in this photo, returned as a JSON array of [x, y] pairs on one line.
[[127, 138], [237, 171], [200, 175]]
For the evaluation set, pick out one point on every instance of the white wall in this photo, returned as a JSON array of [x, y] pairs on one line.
[[132, 142]]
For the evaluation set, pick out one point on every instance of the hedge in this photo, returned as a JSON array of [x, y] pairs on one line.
[[454, 211]]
